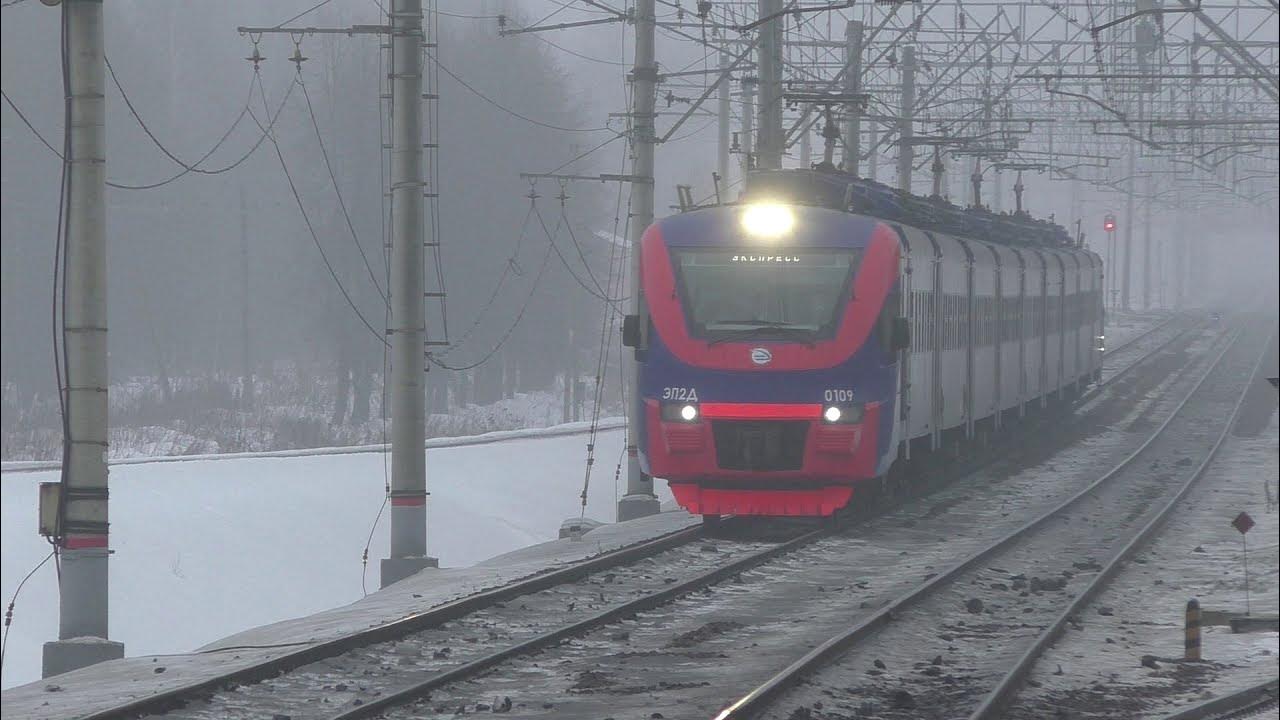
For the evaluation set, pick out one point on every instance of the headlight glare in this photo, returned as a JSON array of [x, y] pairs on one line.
[[679, 412], [843, 414], [768, 220]]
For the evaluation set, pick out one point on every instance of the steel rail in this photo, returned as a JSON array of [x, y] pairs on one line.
[[1097, 389], [1251, 700], [313, 652], [999, 697], [369, 708], [307, 653], [1149, 331], [641, 604], [759, 698]]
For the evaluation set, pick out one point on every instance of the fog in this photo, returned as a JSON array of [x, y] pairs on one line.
[[187, 323], [215, 278]]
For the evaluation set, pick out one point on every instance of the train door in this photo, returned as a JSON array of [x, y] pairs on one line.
[[964, 319], [983, 272], [953, 367], [921, 274], [1057, 338], [993, 337], [1034, 326], [908, 303], [1074, 325], [1008, 346], [1019, 329], [935, 310]]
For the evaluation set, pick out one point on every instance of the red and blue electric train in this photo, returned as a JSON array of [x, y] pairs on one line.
[[797, 345]]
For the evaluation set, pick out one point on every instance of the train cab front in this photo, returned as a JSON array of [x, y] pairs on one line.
[[767, 370]]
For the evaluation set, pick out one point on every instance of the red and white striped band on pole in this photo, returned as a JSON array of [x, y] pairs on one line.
[[415, 500], [84, 542]]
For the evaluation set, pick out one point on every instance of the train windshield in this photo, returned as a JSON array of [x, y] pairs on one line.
[[729, 295]]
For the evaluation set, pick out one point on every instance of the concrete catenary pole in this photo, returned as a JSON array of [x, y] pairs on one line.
[[770, 142], [639, 500], [1126, 250], [873, 162], [1147, 256], [852, 86], [724, 114], [407, 330], [83, 527], [746, 137], [246, 349], [906, 154]]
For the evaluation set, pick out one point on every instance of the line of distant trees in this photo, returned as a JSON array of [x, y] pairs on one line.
[[181, 302]]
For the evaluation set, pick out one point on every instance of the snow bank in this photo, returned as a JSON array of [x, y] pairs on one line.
[[211, 546], [578, 428]]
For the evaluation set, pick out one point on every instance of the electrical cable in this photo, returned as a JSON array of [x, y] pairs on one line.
[[514, 323], [385, 211], [193, 168], [511, 265], [614, 282], [506, 109], [62, 357], [309, 10], [564, 261], [583, 154], [293, 188], [568, 225], [342, 205], [8, 613], [577, 54], [32, 128], [432, 158], [226, 168]]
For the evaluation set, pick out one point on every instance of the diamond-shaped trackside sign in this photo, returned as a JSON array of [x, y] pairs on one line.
[[1243, 523]]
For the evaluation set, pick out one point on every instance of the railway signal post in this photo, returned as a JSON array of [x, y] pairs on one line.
[[81, 528], [1109, 227]]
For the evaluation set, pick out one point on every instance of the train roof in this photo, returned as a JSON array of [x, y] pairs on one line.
[[842, 191]]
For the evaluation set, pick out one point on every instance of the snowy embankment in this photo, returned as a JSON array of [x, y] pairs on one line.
[[211, 546]]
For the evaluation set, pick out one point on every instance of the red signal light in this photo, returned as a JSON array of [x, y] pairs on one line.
[[1109, 223]]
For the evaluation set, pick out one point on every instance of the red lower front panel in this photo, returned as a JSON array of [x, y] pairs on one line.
[[741, 501], [815, 476]]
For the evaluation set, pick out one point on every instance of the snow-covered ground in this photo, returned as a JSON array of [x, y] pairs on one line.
[[206, 548], [1199, 555], [1122, 325]]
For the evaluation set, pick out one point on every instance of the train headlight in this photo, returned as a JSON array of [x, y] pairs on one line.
[[680, 412], [768, 220], [843, 414]]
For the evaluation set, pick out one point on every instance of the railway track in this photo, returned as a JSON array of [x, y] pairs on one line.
[[1021, 576], [1139, 346], [409, 658], [1259, 701], [824, 562]]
